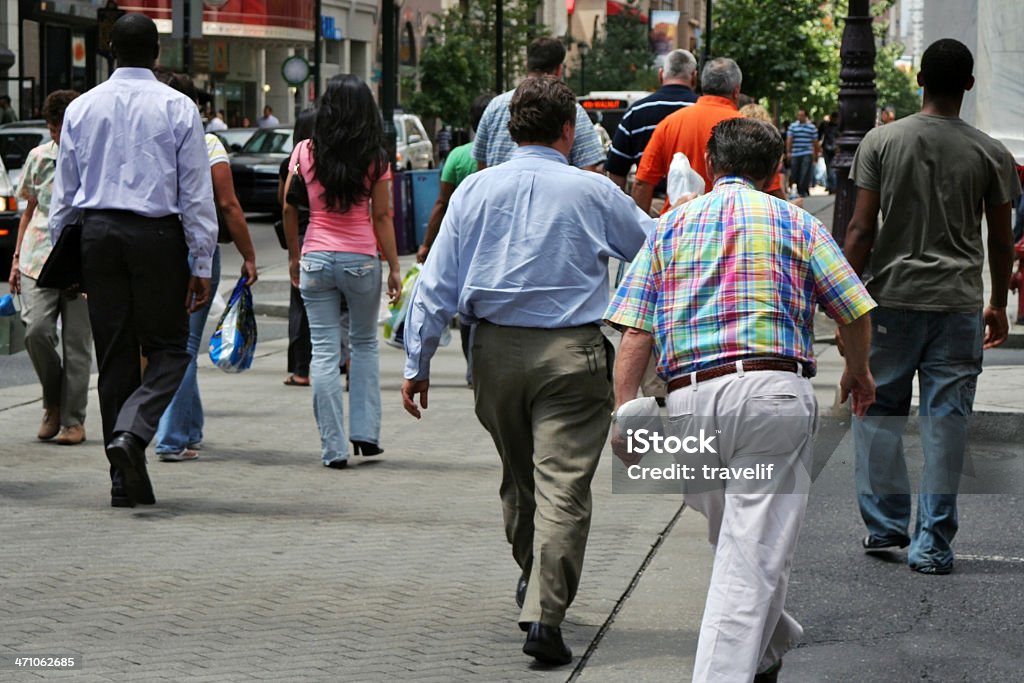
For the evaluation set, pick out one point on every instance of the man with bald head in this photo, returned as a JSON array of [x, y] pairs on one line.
[[132, 170]]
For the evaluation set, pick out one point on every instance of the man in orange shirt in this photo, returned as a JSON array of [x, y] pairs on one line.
[[689, 129]]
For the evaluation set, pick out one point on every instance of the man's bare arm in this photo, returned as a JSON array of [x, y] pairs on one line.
[[634, 354], [1000, 266], [619, 180], [643, 194], [860, 233], [857, 380]]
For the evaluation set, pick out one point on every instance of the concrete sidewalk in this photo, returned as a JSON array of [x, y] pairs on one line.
[[259, 563]]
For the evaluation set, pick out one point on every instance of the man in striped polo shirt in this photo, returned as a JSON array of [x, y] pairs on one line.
[[802, 151], [678, 78]]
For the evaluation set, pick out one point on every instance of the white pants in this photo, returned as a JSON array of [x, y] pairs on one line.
[[763, 417]]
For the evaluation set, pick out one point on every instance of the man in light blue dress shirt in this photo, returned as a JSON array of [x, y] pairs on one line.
[[523, 251], [133, 171]]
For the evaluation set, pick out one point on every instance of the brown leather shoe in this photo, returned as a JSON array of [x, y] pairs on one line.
[[50, 425], [71, 436]]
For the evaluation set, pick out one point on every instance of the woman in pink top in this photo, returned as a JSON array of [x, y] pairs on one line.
[[348, 179]]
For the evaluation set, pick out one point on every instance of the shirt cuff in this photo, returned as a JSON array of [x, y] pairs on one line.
[[203, 267]]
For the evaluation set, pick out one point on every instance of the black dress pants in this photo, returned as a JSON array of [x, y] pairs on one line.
[[135, 270]]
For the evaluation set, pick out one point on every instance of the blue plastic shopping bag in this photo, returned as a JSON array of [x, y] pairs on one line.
[[233, 344]]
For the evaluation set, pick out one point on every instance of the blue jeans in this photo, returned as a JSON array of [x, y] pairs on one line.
[[181, 425], [324, 278], [803, 173], [945, 351]]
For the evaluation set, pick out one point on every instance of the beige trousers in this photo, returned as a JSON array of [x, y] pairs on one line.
[[760, 418], [545, 396]]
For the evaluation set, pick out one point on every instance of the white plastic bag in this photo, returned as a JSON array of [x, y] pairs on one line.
[[217, 306], [682, 179]]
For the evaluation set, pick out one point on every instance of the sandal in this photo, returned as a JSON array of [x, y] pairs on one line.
[[293, 381]]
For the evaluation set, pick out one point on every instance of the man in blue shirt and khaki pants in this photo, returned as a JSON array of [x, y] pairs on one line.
[[523, 251], [133, 170]]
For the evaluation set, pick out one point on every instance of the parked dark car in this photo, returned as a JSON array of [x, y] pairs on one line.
[[255, 169]]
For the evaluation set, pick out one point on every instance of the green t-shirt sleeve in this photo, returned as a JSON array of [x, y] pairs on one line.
[[866, 168], [448, 173]]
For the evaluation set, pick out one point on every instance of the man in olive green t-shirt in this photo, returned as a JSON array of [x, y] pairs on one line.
[[932, 176]]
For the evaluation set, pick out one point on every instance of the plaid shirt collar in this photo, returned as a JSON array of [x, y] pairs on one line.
[[734, 180]]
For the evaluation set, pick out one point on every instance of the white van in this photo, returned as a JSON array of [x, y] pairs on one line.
[[413, 148]]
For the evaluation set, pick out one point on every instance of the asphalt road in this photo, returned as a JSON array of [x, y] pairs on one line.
[[870, 619], [17, 370]]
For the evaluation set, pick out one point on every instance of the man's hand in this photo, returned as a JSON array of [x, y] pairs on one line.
[[421, 253], [410, 388], [861, 387], [249, 272], [198, 293], [997, 328], [619, 447], [686, 197]]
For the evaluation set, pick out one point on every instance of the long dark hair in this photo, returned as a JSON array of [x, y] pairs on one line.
[[348, 143], [304, 126]]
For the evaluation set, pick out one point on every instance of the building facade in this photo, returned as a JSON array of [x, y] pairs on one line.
[[237, 61]]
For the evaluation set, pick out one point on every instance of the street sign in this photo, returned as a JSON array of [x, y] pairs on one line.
[[295, 70]]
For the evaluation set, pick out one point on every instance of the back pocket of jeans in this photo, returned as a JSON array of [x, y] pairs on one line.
[[313, 275], [360, 279]]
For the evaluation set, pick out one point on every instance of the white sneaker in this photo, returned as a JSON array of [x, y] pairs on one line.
[[180, 456]]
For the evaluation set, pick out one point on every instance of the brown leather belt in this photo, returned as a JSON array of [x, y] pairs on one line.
[[749, 365]]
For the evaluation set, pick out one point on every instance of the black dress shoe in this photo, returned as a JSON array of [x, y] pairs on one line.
[[119, 500], [521, 590], [545, 644], [366, 448], [127, 453]]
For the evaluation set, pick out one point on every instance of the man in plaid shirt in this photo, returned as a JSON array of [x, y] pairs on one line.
[[725, 290]]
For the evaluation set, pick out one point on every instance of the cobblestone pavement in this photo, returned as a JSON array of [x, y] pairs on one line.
[[258, 563]]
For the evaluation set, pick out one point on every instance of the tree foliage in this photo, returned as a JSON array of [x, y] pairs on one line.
[[789, 54], [458, 63], [787, 50], [621, 56], [896, 88]]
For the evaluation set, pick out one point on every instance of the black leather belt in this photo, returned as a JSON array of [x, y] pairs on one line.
[[749, 365]]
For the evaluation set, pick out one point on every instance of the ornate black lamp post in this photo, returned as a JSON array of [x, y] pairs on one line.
[[856, 107]]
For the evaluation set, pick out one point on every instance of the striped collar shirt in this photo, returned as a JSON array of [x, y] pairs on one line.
[[637, 125], [804, 136], [494, 145], [736, 274]]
